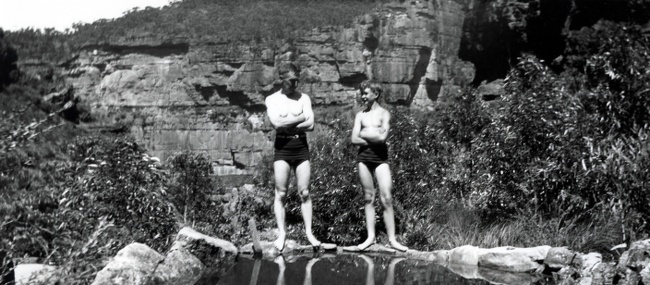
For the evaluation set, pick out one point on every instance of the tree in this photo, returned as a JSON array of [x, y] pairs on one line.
[[8, 59]]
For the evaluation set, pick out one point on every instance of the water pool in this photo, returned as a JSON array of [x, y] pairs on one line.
[[340, 269]]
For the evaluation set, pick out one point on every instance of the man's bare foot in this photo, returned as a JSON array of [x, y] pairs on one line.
[[279, 242], [397, 246], [313, 241], [366, 244]]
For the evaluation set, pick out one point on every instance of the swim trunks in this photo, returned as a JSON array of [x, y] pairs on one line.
[[291, 148], [373, 154]]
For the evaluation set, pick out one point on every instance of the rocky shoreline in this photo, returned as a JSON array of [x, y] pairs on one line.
[[194, 257]]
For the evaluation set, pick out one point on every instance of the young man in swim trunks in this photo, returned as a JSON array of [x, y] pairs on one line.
[[371, 127], [291, 115]]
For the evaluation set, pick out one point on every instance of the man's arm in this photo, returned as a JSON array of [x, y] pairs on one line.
[[279, 121], [379, 134], [356, 130], [308, 124]]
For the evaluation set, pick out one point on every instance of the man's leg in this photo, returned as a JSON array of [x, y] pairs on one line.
[[365, 176], [281, 171], [385, 183], [303, 175]]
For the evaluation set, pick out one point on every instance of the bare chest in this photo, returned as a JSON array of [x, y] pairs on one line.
[[288, 106], [372, 119]]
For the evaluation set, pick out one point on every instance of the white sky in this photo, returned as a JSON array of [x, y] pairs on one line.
[[61, 14]]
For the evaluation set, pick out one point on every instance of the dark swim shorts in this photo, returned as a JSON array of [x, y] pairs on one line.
[[373, 154], [291, 148]]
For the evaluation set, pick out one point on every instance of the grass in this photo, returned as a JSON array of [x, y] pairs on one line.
[[461, 226]]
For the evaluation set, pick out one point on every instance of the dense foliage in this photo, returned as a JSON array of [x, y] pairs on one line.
[[250, 22], [73, 197], [246, 21]]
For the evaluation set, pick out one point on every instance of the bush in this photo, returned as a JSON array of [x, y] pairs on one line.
[[122, 184], [566, 144], [337, 194]]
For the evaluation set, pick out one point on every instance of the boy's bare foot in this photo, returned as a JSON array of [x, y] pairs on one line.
[[279, 242], [397, 246]]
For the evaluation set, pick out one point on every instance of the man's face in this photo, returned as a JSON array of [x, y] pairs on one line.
[[289, 82], [289, 85]]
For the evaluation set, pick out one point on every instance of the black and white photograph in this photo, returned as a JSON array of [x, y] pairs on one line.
[[319, 142]]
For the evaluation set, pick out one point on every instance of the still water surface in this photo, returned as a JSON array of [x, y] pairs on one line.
[[341, 270]]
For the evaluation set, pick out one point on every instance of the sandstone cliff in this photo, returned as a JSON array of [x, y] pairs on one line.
[[208, 96]]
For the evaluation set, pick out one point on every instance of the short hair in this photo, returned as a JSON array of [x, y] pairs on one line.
[[287, 68], [374, 87]]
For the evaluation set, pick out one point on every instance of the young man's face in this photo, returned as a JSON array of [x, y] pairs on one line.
[[367, 96]]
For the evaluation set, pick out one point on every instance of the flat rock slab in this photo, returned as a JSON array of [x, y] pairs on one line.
[[377, 248], [291, 247]]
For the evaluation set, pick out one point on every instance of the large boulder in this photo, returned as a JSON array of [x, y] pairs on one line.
[[192, 256], [602, 273], [465, 255], [206, 248], [437, 256], [216, 255], [133, 265], [513, 259], [633, 262], [35, 274], [637, 257], [559, 257], [178, 268], [507, 258]]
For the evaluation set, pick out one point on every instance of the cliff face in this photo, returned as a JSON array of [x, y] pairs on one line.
[[208, 97]]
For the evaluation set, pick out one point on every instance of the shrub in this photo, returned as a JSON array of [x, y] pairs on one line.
[[119, 182], [337, 194], [566, 144]]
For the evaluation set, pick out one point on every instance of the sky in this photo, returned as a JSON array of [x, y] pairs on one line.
[[61, 14]]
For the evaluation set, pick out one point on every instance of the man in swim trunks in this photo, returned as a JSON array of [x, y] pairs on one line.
[[371, 127], [291, 115]]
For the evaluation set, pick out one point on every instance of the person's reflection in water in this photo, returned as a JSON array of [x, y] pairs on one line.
[[279, 260], [370, 271], [390, 273]]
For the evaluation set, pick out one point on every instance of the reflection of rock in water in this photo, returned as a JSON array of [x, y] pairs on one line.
[[491, 275]]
